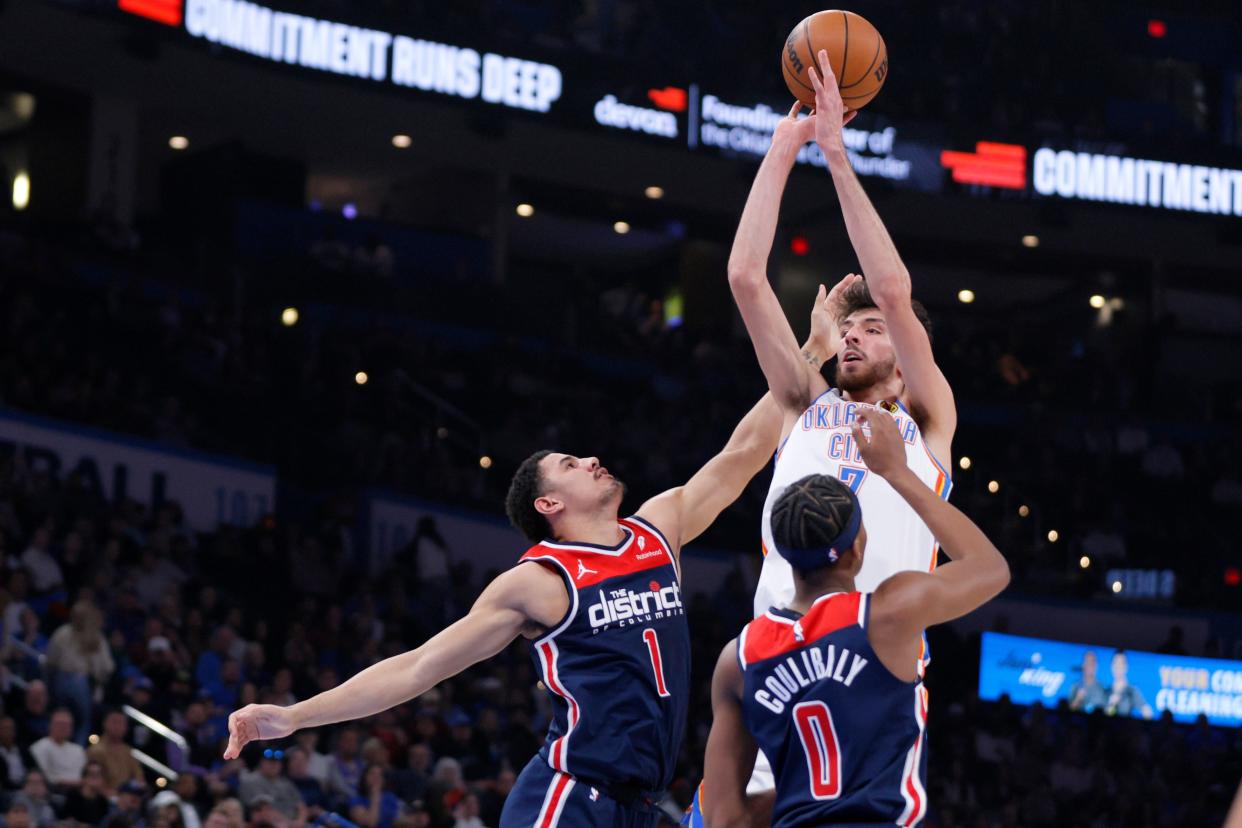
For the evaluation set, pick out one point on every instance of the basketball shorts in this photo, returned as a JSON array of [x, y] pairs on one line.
[[544, 798]]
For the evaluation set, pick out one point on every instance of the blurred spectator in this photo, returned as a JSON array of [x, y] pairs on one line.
[[410, 782], [346, 759], [269, 781], [128, 812], [466, 813], [114, 754], [33, 719], [323, 768], [78, 660], [60, 759], [13, 757], [37, 799], [88, 804], [375, 806], [308, 786], [17, 816], [45, 573]]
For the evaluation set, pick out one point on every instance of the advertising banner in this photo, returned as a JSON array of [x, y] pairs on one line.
[[212, 490], [1117, 682]]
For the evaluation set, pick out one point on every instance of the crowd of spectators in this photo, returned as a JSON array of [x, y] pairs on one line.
[[106, 604]]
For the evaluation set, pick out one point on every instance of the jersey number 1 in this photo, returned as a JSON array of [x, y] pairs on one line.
[[819, 741], [653, 648]]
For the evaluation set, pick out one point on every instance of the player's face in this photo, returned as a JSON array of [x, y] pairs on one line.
[[865, 353], [579, 483]]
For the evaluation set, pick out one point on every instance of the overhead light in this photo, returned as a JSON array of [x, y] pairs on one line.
[[485, 462], [1053, 536], [402, 141], [964, 463], [1097, 301], [993, 486], [289, 317], [525, 210], [621, 227], [1030, 241], [178, 142], [654, 192], [965, 296], [350, 211], [1024, 510], [442, 433], [1116, 587], [21, 191], [361, 377], [1084, 562]]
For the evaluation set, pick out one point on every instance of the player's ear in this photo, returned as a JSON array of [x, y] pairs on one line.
[[548, 505]]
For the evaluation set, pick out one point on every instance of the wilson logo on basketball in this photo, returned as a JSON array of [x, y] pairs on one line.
[[167, 12], [991, 165]]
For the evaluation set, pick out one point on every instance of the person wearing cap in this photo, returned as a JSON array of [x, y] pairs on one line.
[[269, 780], [830, 686], [111, 751], [17, 816]]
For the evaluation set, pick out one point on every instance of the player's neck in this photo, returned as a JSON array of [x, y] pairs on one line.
[[872, 394], [599, 529], [809, 588]]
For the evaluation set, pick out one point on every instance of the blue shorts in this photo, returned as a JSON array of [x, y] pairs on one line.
[[544, 798], [694, 814]]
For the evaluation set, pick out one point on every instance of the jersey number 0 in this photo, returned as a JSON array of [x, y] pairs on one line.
[[819, 741]]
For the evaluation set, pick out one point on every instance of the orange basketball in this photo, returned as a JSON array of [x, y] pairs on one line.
[[855, 50]]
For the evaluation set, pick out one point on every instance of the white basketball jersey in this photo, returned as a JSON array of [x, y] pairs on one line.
[[821, 443]]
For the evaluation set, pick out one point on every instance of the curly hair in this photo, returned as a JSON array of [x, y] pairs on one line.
[[524, 488], [812, 512], [857, 297]]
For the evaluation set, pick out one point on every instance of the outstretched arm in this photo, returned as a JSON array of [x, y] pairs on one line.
[[731, 752], [520, 599], [909, 602], [792, 373], [685, 512], [887, 276]]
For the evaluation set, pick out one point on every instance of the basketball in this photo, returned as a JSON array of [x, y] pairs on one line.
[[855, 50]]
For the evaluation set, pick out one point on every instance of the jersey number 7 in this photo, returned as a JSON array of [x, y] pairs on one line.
[[819, 741]]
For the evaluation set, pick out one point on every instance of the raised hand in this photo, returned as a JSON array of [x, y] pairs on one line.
[[255, 722], [883, 450], [827, 313], [797, 131], [830, 111]]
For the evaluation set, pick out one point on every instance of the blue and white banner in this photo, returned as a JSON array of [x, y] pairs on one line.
[[212, 490], [1118, 682]]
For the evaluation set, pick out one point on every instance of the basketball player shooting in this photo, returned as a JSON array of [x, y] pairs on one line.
[[829, 686], [600, 598], [881, 339]]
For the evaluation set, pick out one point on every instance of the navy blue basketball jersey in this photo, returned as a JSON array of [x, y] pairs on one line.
[[846, 738], [618, 664]]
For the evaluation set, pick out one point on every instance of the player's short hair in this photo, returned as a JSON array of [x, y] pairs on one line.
[[812, 514], [857, 297], [526, 485]]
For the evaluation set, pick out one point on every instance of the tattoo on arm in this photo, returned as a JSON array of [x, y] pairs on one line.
[[811, 359]]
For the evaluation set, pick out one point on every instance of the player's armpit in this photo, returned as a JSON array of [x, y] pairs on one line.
[[731, 750]]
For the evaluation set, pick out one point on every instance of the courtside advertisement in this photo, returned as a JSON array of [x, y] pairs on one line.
[[1115, 682]]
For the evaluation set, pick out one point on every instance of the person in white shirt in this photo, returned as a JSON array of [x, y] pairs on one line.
[[45, 572], [60, 760]]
